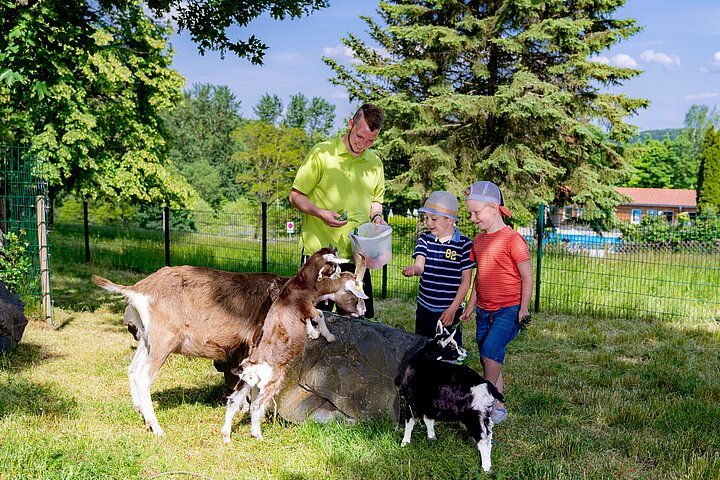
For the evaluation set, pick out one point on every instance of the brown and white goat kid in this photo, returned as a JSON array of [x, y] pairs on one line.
[[281, 343], [203, 312]]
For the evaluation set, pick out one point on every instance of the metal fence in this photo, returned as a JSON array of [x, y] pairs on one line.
[[598, 266], [22, 196]]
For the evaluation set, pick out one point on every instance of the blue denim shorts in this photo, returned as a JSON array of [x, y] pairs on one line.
[[495, 330]]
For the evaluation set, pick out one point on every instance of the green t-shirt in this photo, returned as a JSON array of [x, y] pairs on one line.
[[333, 179]]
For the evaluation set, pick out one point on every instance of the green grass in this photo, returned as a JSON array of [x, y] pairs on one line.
[[588, 399]]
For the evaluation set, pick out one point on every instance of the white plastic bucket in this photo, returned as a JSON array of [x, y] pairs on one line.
[[375, 243]]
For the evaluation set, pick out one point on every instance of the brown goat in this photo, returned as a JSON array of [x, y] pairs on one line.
[[203, 312], [281, 343]]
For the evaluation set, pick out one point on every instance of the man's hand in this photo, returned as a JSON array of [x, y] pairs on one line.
[[332, 219]]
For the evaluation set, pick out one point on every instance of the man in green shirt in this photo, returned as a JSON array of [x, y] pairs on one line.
[[342, 178]]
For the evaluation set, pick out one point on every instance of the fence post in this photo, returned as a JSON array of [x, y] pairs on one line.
[[383, 291], [86, 227], [166, 232], [540, 229], [264, 235], [44, 263]]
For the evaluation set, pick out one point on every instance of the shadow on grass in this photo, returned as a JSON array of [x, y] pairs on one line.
[[20, 396], [208, 395], [25, 355]]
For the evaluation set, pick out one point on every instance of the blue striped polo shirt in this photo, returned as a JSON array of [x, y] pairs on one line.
[[444, 264]]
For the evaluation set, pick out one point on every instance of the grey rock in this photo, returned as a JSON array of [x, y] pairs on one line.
[[12, 319], [348, 380]]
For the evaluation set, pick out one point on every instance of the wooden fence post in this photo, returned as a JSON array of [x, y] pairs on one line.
[[44, 263]]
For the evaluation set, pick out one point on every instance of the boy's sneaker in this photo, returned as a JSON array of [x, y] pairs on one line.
[[499, 415]]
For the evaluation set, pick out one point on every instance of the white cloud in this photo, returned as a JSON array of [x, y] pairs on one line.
[[338, 95], [713, 65], [621, 60], [340, 51], [668, 61], [702, 96]]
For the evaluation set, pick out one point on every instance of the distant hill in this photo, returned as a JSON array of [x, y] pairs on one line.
[[657, 134]]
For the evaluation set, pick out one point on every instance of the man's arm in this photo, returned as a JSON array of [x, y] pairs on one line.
[[300, 201], [376, 209]]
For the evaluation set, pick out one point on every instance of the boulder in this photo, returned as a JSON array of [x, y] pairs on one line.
[[350, 379], [12, 319]]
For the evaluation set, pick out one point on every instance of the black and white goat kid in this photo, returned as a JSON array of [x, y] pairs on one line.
[[436, 387]]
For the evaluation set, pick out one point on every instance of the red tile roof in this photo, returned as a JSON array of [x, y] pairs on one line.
[[666, 197]]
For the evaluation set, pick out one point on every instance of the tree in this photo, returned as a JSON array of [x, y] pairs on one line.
[[269, 159], [269, 109], [201, 150], [315, 118], [295, 117], [208, 21], [655, 165], [690, 143], [708, 191], [87, 86], [498, 89]]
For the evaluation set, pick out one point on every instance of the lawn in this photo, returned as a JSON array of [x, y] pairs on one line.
[[588, 398]]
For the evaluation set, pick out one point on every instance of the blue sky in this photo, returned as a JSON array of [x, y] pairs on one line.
[[678, 50]]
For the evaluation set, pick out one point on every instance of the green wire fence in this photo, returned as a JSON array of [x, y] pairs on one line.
[[593, 265], [23, 255]]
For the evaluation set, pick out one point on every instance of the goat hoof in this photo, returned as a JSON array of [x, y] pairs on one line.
[[330, 338], [404, 444], [159, 432], [226, 438]]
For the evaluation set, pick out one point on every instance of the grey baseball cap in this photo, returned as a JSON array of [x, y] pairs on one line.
[[441, 203], [487, 192]]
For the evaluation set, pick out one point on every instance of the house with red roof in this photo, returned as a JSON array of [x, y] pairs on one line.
[[656, 202]]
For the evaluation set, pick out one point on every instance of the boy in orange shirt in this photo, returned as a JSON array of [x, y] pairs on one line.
[[503, 281]]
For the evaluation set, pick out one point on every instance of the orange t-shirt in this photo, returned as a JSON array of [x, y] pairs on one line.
[[496, 256]]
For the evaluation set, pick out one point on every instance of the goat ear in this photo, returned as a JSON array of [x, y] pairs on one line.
[[330, 258], [353, 288], [439, 328]]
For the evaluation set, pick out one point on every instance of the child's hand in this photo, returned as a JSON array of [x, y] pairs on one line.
[[409, 271], [447, 318]]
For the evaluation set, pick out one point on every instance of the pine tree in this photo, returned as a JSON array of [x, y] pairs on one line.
[[503, 90], [708, 191]]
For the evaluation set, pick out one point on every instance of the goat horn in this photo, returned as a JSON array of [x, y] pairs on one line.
[[360, 263]]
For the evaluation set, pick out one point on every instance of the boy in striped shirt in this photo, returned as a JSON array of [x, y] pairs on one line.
[[442, 261]]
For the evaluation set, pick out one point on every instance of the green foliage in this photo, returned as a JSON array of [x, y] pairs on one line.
[[700, 234], [86, 85], [500, 90], [708, 191], [269, 159], [208, 22], [659, 134], [269, 109], [201, 148], [150, 217], [655, 164], [15, 262]]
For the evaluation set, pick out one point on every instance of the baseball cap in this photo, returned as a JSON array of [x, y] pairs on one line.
[[487, 192], [441, 203]]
